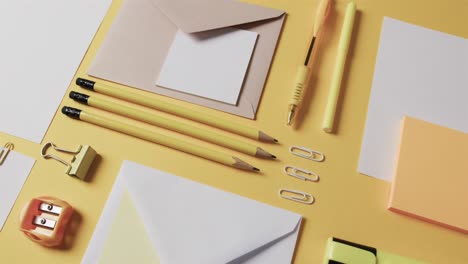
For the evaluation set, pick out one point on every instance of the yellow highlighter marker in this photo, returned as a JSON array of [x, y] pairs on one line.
[[151, 118], [343, 47], [152, 102], [157, 138], [303, 70]]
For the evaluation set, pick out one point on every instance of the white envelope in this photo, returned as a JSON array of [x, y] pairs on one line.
[[188, 222]]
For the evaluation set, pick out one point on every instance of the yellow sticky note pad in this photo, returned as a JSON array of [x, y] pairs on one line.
[[127, 241], [431, 176]]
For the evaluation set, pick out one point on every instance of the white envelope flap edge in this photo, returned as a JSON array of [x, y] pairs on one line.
[[188, 222], [192, 16]]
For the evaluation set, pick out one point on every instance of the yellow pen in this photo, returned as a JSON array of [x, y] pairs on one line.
[[341, 55], [157, 138], [151, 118], [303, 70], [152, 102]]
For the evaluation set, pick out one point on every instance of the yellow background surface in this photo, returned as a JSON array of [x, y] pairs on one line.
[[348, 205]]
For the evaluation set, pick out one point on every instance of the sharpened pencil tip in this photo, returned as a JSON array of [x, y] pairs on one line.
[[261, 153], [275, 140], [265, 138], [243, 165]]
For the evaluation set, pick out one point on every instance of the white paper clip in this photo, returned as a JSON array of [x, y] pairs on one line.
[[5, 151], [296, 196], [301, 174], [307, 153]]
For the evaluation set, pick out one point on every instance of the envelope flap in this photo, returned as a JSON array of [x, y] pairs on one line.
[[200, 15], [188, 222]]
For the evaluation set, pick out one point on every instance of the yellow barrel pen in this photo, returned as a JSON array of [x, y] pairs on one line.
[[152, 102], [157, 138], [303, 70], [151, 118], [341, 55]]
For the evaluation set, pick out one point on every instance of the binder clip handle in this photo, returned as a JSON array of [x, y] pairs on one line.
[[51, 156]]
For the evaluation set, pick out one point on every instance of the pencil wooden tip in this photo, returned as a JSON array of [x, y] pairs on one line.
[[261, 153], [266, 138], [240, 164]]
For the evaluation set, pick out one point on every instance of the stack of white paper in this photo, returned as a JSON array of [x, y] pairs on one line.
[[420, 73], [42, 45]]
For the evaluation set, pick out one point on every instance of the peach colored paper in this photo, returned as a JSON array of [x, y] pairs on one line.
[[431, 177]]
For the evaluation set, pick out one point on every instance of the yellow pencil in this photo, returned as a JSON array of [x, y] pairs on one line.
[[151, 136], [170, 124], [154, 103], [341, 55]]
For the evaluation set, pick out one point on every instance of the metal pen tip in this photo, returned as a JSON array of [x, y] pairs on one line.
[[289, 119], [291, 114]]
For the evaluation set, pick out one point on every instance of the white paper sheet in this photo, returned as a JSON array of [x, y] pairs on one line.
[[209, 64], [420, 73], [13, 174], [188, 222], [42, 45]]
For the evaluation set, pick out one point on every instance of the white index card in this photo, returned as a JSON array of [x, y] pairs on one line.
[[210, 64]]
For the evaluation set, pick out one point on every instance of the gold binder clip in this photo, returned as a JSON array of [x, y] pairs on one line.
[[301, 174], [307, 153], [5, 151], [296, 196], [81, 161]]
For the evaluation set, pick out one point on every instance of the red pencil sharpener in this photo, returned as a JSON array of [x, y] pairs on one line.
[[44, 220]]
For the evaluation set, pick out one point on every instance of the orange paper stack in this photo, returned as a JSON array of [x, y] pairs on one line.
[[431, 176]]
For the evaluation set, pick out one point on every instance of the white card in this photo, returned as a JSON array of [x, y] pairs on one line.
[[209, 64], [13, 174], [421, 73], [42, 45]]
